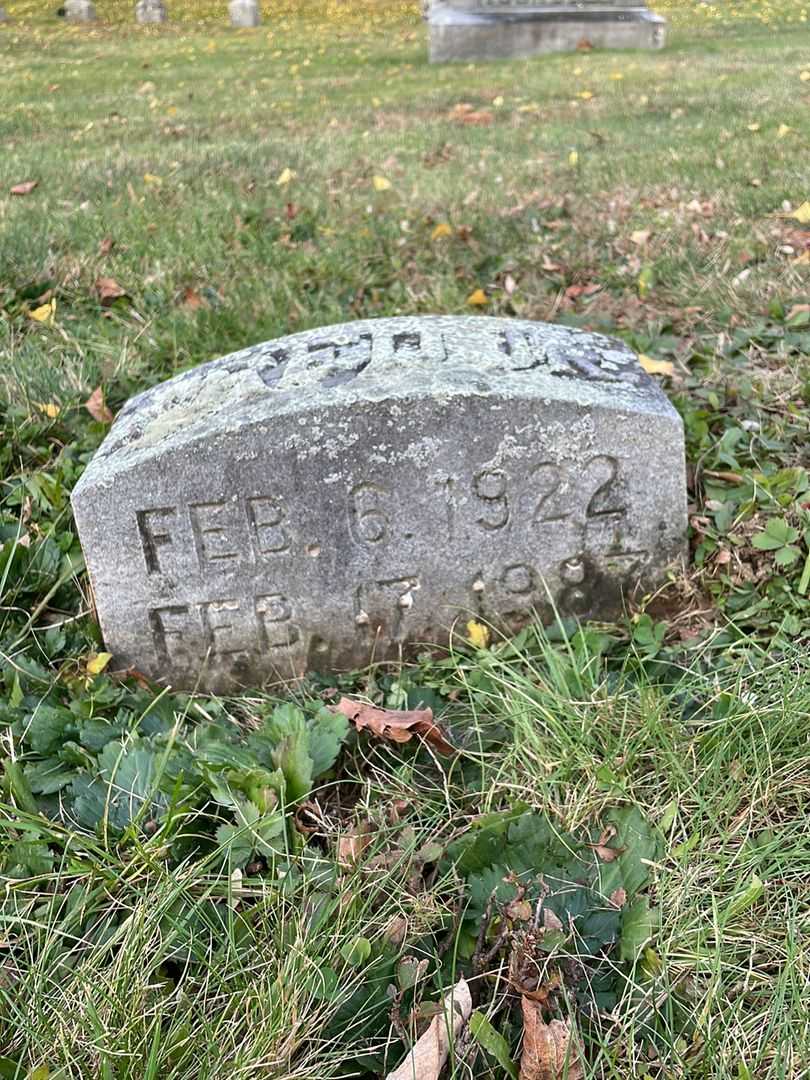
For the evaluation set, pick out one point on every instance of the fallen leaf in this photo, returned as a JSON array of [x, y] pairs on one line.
[[394, 724], [805, 76], [106, 245], [49, 408], [656, 367], [25, 188], [426, 1060], [640, 237], [286, 176], [783, 130], [478, 634], [441, 230], [97, 407], [150, 178], [380, 183], [46, 313], [109, 291], [550, 1051], [802, 215], [96, 662], [618, 898], [192, 299], [573, 158], [605, 853], [551, 920], [477, 298], [352, 844]]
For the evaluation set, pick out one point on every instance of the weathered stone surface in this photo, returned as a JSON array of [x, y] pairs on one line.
[[244, 13], [335, 496], [517, 29], [150, 11], [80, 10]]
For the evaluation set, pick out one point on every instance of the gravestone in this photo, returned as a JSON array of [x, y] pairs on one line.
[[244, 13], [80, 11], [516, 29], [344, 494], [150, 11]]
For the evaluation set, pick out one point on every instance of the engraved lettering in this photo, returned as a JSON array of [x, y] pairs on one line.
[[382, 607], [447, 485], [271, 372], [599, 476], [396, 347], [210, 525], [519, 579], [349, 358], [490, 487], [547, 480], [274, 621], [368, 521], [153, 537], [169, 625], [266, 517], [221, 635]]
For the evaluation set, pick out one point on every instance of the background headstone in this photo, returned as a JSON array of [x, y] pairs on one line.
[[244, 13], [513, 29], [150, 11], [339, 495], [80, 10]]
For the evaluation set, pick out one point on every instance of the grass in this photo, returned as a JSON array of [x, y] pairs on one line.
[[649, 195]]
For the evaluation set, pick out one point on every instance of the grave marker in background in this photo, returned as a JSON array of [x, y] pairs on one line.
[[80, 10], [150, 11], [244, 13], [516, 29], [343, 494]]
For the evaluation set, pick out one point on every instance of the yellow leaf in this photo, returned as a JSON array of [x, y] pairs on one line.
[[49, 408], [803, 259], [477, 298], [805, 76], [573, 159], [616, 75], [442, 229], [646, 280], [753, 127], [656, 367], [586, 95], [802, 215], [44, 314], [150, 178], [783, 130], [285, 177], [380, 183], [478, 634], [96, 662], [497, 102], [375, 101]]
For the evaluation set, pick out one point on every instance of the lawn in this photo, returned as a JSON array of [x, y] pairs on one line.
[[198, 887]]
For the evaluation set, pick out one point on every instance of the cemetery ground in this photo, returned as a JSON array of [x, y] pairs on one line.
[[172, 908]]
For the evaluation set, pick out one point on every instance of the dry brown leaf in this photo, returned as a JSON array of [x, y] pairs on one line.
[[426, 1059], [618, 898], [394, 724], [192, 299], [605, 853], [352, 844], [550, 920], [109, 291], [98, 408], [26, 188], [550, 1051], [106, 245]]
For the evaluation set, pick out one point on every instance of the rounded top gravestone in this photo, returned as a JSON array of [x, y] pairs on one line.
[[344, 494]]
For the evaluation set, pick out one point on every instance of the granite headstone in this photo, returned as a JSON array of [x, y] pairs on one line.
[[244, 13], [345, 494], [151, 11], [516, 29], [80, 10]]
